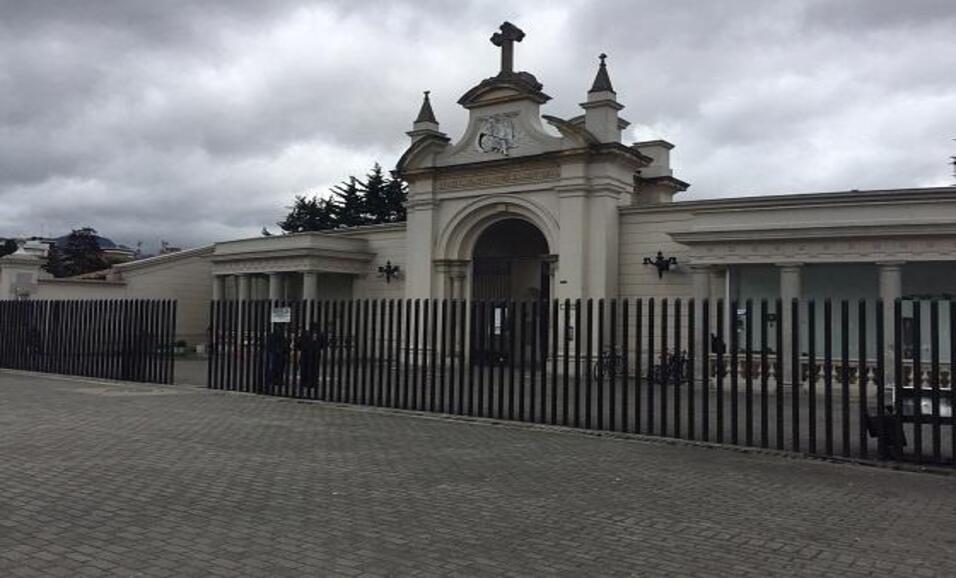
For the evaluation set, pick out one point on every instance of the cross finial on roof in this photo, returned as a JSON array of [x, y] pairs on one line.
[[508, 35]]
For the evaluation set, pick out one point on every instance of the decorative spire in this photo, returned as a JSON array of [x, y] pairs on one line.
[[602, 82], [426, 114]]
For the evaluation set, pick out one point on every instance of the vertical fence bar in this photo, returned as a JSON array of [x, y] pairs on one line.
[[811, 377], [764, 374], [721, 345], [406, 390], [625, 359], [602, 365], [568, 334], [796, 378], [749, 372], [863, 379], [845, 375], [443, 360], [589, 364], [898, 375], [521, 364], [732, 329], [481, 353], [691, 368], [952, 380], [663, 374], [880, 376], [542, 332], [679, 372], [650, 373], [512, 356], [705, 370], [918, 380], [554, 360], [828, 376], [577, 362], [533, 363], [934, 378], [462, 354]]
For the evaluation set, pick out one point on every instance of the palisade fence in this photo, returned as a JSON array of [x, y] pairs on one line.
[[130, 340], [711, 371]]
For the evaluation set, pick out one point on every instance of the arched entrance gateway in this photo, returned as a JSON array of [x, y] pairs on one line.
[[511, 283], [511, 261]]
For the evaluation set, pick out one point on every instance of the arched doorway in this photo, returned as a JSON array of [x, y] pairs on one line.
[[511, 261]]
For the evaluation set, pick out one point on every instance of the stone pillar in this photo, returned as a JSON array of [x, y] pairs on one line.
[[244, 283], [310, 285], [790, 289], [218, 287], [275, 286], [891, 289]]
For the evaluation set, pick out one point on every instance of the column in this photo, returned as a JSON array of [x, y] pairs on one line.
[[275, 286], [218, 287], [790, 289], [244, 282], [891, 289], [310, 285]]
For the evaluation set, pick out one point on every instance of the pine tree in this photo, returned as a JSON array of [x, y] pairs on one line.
[[8, 246], [309, 214], [81, 254], [395, 194], [350, 209], [375, 189]]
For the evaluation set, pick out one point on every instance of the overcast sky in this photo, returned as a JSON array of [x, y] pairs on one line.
[[196, 121]]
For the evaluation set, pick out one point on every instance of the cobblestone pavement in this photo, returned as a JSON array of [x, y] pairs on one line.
[[134, 480]]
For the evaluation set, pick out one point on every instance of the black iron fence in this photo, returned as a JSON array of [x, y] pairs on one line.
[[828, 378], [131, 340]]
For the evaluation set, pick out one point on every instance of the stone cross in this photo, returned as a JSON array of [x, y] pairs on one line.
[[506, 40]]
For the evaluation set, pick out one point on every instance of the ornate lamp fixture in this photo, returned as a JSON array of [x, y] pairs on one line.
[[388, 271], [662, 263]]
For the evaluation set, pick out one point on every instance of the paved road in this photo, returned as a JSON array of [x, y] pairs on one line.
[[130, 480]]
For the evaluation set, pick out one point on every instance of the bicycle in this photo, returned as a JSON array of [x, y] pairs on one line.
[[672, 369], [609, 363]]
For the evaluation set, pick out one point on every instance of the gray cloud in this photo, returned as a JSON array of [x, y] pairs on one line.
[[198, 121]]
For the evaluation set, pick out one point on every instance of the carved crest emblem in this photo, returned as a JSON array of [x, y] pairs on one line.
[[497, 134]]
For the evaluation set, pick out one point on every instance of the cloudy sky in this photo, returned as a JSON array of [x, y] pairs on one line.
[[196, 121]]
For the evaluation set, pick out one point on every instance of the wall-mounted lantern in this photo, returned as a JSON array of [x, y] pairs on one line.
[[662, 263], [388, 271]]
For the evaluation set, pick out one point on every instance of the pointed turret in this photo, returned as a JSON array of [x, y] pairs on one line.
[[425, 123], [600, 110], [425, 113], [602, 82]]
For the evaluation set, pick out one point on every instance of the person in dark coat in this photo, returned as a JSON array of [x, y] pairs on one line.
[[277, 352]]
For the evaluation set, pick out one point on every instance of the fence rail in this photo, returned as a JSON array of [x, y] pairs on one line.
[[662, 367], [131, 340]]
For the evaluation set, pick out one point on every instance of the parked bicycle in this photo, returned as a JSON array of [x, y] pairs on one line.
[[672, 369], [609, 363]]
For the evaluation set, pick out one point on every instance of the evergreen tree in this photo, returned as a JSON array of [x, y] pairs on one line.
[[309, 214], [395, 194], [80, 254], [379, 199], [375, 189], [350, 209], [7, 246]]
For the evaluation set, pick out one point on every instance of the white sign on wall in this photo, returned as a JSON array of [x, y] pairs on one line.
[[281, 314]]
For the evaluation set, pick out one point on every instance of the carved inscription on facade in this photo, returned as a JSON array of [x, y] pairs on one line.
[[485, 178]]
